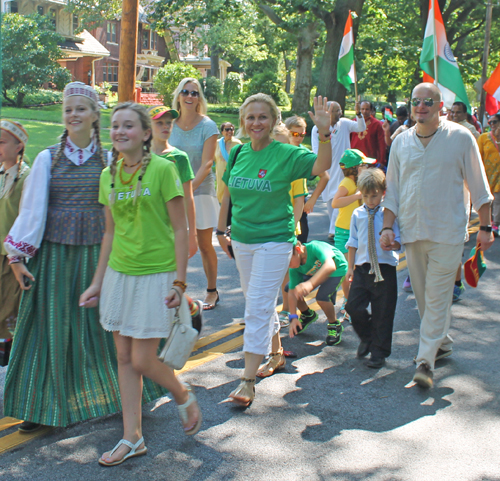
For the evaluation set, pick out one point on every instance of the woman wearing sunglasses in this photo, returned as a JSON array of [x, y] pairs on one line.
[[196, 134], [224, 146], [489, 146]]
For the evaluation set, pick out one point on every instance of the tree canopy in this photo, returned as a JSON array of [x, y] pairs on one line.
[[25, 69]]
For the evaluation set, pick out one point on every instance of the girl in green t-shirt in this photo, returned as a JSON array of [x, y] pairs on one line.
[[262, 231], [144, 210], [162, 119]]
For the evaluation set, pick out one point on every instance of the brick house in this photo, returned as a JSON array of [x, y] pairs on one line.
[[81, 51]]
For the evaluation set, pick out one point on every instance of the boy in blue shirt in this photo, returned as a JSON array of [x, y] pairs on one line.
[[372, 272], [315, 264]]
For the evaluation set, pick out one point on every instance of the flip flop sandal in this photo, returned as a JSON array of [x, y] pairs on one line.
[[132, 453], [183, 411], [209, 307]]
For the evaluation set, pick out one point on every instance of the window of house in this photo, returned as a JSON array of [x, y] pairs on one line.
[[11, 7], [75, 22], [40, 10], [145, 75], [154, 41], [145, 39], [110, 72], [53, 17], [111, 32]]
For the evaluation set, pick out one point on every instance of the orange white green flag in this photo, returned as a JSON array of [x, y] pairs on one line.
[[345, 65], [436, 53], [492, 85]]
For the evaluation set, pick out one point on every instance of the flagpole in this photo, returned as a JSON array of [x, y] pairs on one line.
[[355, 82], [435, 43], [482, 105]]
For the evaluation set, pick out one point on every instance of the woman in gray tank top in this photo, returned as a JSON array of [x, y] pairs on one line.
[[196, 134]]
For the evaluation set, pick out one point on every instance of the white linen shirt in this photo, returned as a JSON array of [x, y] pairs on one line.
[[358, 237], [341, 141], [428, 187]]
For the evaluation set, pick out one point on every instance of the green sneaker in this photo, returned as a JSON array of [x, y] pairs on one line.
[[307, 319], [334, 333]]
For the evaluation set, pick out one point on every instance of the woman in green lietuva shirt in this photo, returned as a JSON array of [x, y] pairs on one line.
[[262, 231]]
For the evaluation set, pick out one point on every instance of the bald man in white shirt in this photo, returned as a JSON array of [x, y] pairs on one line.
[[434, 169]]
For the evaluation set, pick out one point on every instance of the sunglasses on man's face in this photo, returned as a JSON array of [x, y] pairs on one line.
[[493, 122], [229, 129], [296, 134], [193, 93], [427, 102]]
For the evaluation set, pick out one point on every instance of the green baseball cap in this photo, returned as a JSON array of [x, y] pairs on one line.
[[354, 157]]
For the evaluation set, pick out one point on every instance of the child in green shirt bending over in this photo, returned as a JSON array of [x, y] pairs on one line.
[[315, 264]]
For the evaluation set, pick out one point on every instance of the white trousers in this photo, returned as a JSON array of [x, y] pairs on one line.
[[433, 268], [262, 268], [332, 214]]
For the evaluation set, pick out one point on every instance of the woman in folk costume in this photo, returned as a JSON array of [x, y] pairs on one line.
[[63, 364], [13, 172]]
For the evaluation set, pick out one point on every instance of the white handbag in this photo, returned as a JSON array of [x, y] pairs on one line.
[[182, 338]]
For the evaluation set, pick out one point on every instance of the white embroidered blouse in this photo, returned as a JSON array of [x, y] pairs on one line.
[[26, 234]]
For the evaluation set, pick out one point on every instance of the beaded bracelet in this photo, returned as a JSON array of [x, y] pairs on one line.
[[180, 284]]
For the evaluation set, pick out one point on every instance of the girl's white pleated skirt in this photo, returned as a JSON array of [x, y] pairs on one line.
[[135, 306]]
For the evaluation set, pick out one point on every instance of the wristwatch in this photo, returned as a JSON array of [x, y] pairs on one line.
[[292, 316], [486, 228]]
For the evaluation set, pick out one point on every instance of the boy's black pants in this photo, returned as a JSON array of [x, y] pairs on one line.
[[376, 327]]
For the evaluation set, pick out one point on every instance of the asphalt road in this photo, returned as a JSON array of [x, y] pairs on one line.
[[325, 417]]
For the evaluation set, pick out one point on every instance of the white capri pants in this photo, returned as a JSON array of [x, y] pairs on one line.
[[262, 268]]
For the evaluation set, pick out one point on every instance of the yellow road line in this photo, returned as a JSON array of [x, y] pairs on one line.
[[211, 354], [8, 422], [217, 336], [15, 439]]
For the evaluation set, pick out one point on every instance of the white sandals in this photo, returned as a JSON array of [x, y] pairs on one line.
[[133, 452], [183, 411]]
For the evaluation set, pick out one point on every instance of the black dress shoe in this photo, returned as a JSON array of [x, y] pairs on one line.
[[363, 349], [29, 427], [375, 362]]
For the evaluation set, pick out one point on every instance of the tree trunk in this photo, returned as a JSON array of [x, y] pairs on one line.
[[303, 74], [328, 85], [288, 77], [214, 63], [20, 99]]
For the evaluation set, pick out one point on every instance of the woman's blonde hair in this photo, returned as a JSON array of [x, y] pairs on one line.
[[263, 98], [296, 121], [201, 108], [371, 180], [145, 120]]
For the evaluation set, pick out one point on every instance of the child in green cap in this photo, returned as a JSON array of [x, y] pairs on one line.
[[346, 200]]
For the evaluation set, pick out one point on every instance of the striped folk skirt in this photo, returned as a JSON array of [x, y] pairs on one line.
[[63, 366]]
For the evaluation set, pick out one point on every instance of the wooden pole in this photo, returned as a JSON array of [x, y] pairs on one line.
[[128, 50], [482, 105]]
